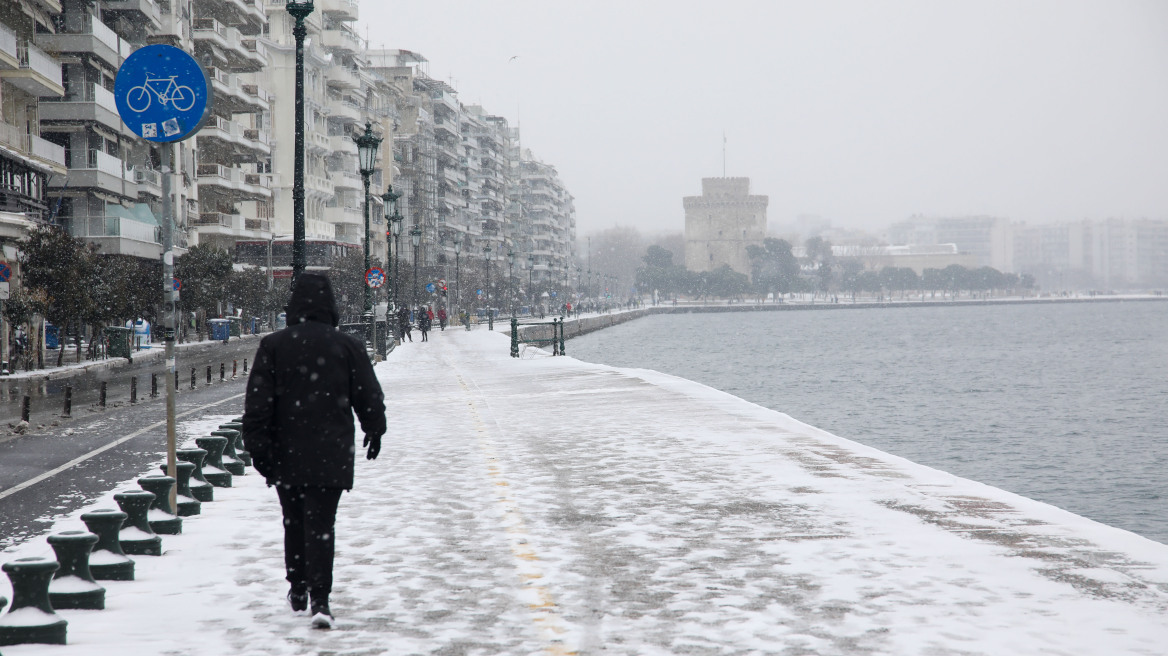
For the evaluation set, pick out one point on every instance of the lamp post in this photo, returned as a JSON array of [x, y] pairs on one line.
[[392, 219], [530, 292], [367, 144], [487, 261], [416, 239], [457, 276], [511, 280], [299, 9]]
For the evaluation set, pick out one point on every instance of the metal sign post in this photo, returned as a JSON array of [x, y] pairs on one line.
[[164, 96]]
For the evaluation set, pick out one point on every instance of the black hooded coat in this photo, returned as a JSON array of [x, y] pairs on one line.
[[307, 381]]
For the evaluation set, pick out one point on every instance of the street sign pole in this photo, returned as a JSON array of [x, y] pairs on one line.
[[163, 95], [170, 323]]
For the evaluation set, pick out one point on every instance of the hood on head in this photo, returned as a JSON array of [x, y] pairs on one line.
[[312, 300]]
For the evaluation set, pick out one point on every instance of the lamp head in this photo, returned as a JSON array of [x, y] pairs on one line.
[[389, 207], [416, 236], [367, 144], [457, 246], [395, 224]]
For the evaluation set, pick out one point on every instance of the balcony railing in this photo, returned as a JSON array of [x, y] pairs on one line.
[[8, 42], [46, 150], [100, 161], [212, 219], [114, 226], [36, 60]]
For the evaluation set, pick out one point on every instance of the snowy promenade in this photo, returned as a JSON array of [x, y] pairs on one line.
[[549, 506]]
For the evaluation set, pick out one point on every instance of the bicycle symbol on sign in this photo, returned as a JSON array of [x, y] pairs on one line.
[[180, 96]]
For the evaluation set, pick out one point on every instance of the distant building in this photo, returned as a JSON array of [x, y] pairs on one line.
[[721, 223], [990, 239]]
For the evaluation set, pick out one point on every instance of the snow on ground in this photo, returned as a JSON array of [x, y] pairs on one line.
[[545, 505]]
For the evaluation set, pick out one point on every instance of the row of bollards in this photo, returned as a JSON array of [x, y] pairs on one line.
[[41, 586], [67, 409]]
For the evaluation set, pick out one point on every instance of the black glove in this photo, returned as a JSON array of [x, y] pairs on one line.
[[260, 464], [374, 444]]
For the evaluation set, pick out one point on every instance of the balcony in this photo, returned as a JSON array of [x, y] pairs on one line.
[[343, 179], [256, 55], [49, 155], [317, 141], [258, 97], [231, 182], [91, 103], [342, 10], [341, 77], [39, 74], [148, 181], [229, 92], [97, 39], [115, 235], [342, 39], [345, 110], [9, 54], [344, 215], [144, 13], [94, 169]]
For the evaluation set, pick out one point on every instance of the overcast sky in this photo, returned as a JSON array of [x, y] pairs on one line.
[[861, 112]]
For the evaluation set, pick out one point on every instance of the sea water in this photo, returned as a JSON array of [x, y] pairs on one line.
[[1063, 403]]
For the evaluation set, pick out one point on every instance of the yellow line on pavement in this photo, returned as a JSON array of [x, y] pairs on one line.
[[539, 600]]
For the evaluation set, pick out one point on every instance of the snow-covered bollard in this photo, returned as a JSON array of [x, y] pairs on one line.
[[136, 536], [108, 562], [30, 618], [162, 517], [231, 460], [240, 451], [213, 469], [73, 585], [201, 490], [187, 504]]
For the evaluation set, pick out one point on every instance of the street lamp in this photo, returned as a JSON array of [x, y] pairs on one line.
[[487, 261], [457, 272], [511, 280], [367, 144], [530, 293], [392, 221], [299, 10], [416, 239]]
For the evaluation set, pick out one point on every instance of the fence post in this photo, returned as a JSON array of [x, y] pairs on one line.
[[222, 372], [153, 385], [68, 411], [101, 395], [133, 389], [234, 368], [245, 365], [514, 337], [208, 374], [555, 340], [25, 406], [562, 351], [192, 378]]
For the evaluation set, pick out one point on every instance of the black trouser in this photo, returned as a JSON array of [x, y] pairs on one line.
[[310, 514]]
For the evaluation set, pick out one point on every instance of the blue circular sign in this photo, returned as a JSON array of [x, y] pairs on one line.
[[375, 277], [430, 287], [162, 93]]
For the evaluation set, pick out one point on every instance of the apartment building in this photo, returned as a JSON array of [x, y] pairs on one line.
[[546, 220], [990, 239], [27, 160]]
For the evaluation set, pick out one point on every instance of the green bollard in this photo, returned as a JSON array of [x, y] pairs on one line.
[[30, 589], [213, 469], [201, 490], [514, 337], [187, 504], [108, 562], [73, 585], [231, 461], [162, 517], [240, 451], [136, 536]]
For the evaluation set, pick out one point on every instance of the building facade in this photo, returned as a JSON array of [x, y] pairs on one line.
[[721, 223]]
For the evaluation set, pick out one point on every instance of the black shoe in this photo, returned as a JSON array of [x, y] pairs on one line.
[[298, 600], [322, 617]]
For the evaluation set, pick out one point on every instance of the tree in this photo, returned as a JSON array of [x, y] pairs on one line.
[[659, 272], [725, 282], [774, 268], [820, 255], [203, 270], [347, 275], [58, 269], [851, 270]]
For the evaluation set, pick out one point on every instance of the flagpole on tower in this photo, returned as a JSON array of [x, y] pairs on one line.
[[723, 153]]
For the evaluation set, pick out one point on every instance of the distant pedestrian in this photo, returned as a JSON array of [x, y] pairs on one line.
[[403, 323], [425, 322], [442, 319], [307, 381]]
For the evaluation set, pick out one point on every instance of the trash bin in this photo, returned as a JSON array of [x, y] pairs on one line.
[[236, 325], [52, 336], [220, 330], [119, 341]]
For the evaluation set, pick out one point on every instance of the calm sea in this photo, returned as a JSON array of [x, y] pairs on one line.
[[1062, 403]]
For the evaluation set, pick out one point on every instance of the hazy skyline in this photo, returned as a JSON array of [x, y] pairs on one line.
[[863, 113]]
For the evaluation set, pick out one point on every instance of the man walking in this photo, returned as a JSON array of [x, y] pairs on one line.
[[307, 381]]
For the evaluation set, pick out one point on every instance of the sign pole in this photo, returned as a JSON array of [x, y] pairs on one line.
[[170, 322]]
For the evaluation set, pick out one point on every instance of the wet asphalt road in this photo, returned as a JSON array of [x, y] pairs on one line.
[[53, 442]]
